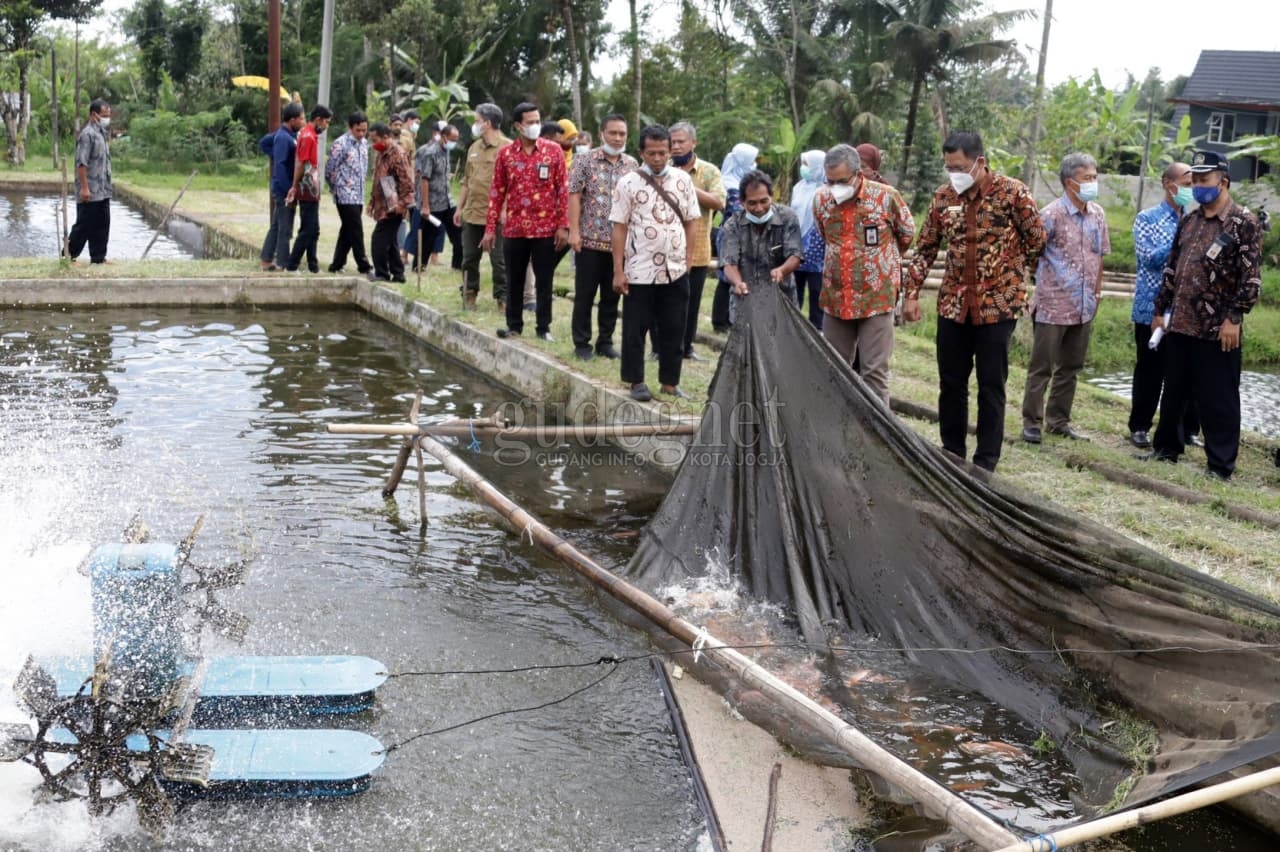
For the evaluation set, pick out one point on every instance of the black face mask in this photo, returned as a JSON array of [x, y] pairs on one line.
[[682, 159]]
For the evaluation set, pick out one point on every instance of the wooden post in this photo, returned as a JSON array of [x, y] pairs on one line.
[[66, 251], [483, 428], [772, 813], [936, 800]]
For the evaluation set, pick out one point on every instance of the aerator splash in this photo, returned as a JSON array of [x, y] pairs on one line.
[[148, 722]]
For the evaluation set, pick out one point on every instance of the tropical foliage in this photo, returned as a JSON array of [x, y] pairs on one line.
[[785, 75]]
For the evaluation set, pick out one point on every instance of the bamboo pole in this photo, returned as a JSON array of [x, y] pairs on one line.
[[169, 212], [66, 251], [402, 460], [485, 428], [937, 800], [1150, 813]]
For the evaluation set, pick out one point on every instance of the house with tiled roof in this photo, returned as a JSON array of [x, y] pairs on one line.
[[1232, 94]]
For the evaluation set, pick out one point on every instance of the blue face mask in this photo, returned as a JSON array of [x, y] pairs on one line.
[[759, 220], [645, 168], [1183, 196], [1205, 194]]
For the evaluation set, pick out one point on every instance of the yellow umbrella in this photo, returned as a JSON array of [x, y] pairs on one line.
[[251, 81]]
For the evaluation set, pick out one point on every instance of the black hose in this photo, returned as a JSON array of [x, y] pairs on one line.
[[686, 751]]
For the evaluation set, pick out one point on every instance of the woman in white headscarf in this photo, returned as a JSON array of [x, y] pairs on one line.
[[737, 163], [809, 274]]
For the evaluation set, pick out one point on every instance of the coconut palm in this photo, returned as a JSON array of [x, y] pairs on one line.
[[931, 36]]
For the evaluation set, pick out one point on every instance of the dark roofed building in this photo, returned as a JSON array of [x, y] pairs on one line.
[[1232, 94]]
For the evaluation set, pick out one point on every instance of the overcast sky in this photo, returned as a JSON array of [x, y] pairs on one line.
[[1113, 36]]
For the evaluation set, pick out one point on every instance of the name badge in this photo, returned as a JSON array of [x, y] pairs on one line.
[[544, 171], [871, 235]]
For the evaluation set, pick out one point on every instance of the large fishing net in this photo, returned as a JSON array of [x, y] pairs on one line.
[[819, 499]]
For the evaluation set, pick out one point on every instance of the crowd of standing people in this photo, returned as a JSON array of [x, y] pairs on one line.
[[643, 236]]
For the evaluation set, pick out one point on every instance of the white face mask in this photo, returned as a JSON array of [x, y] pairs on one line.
[[531, 131], [611, 150], [105, 121], [450, 145], [581, 149], [962, 181], [665, 169], [477, 130], [413, 128], [841, 192]]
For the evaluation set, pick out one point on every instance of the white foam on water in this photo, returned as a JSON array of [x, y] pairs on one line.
[[45, 611]]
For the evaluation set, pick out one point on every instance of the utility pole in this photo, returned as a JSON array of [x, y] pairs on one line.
[[326, 68], [1029, 167], [273, 65], [1146, 149]]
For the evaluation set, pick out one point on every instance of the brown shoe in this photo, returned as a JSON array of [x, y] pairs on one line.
[[469, 301]]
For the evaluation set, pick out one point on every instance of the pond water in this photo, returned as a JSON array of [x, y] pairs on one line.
[[171, 413], [175, 413], [29, 227], [1259, 398]]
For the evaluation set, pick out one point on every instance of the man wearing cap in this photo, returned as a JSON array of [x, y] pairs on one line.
[[1210, 282], [1153, 232]]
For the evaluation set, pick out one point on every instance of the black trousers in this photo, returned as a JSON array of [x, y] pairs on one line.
[[644, 304], [385, 249], [810, 281], [431, 233], [1198, 371], [308, 237], [697, 280], [350, 239], [1148, 380], [518, 253], [93, 226], [592, 275], [961, 347]]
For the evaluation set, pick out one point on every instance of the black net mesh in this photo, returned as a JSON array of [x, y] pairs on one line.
[[820, 499]]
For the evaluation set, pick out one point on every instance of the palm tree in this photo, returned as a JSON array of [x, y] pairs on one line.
[[930, 36]]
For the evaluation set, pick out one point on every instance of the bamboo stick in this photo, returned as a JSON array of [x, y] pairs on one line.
[[937, 800], [1150, 813], [402, 460], [172, 207], [486, 428], [771, 815]]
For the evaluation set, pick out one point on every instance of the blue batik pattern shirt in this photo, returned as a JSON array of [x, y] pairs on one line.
[[1153, 232], [346, 168]]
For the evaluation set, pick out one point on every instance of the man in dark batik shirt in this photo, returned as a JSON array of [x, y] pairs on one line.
[[1210, 282]]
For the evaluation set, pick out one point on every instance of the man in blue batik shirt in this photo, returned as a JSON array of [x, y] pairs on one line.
[[1153, 232]]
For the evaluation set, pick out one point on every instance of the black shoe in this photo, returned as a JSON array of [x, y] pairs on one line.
[[606, 350], [1156, 455], [1140, 439], [1068, 432], [1220, 475], [546, 335], [399, 279], [1031, 434], [530, 306], [640, 392], [675, 391], [583, 353], [314, 270], [693, 356], [504, 333], [336, 269]]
